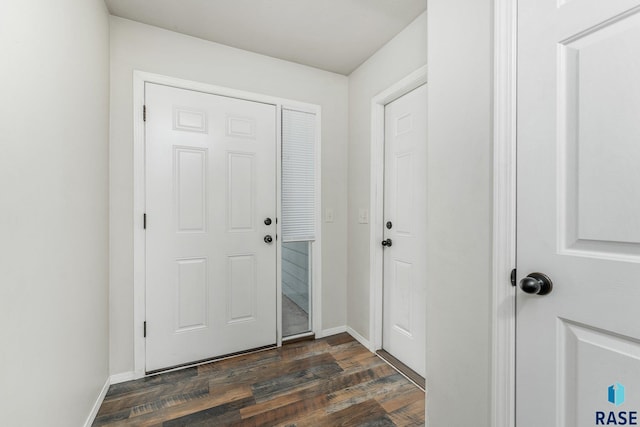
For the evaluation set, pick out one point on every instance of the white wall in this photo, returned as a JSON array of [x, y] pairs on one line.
[[54, 87], [136, 46], [459, 213], [399, 57]]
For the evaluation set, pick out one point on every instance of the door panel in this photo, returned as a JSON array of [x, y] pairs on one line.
[[578, 209], [241, 288], [191, 301], [191, 189], [405, 207], [211, 278], [400, 307], [241, 192]]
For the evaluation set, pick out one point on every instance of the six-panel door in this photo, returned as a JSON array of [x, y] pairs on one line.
[[405, 209], [210, 183]]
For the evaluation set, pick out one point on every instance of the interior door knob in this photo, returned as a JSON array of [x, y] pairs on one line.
[[268, 239], [537, 284], [387, 242]]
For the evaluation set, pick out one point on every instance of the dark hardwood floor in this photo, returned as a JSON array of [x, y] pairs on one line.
[[332, 381]]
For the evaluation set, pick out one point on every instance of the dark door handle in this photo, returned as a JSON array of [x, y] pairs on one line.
[[387, 242], [536, 284], [267, 221], [268, 239]]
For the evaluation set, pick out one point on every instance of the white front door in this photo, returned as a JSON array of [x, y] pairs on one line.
[[578, 347], [405, 211], [210, 185]]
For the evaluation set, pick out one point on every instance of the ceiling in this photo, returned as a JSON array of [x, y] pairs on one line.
[[333, 35]]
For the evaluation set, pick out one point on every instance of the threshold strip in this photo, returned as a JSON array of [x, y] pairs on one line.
[[403, 369], [306, 336]]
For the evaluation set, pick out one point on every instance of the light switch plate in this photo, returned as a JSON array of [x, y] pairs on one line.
[[328, 215], [363, 216]]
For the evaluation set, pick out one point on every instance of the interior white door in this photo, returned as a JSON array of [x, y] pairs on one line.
[[210, 185], [405, 217], [578, 347]]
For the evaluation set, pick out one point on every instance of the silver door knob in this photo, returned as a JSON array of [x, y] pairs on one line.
[[536, 284]]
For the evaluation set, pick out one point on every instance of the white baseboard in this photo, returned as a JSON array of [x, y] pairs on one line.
[[96, 406], [362, 340], [123, 376], [333, 331]]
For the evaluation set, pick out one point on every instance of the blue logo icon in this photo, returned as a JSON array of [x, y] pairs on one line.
[[616, 397], [616, 394]]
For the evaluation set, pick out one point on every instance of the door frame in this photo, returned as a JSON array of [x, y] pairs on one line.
[[395, 91], [139, 187], [503, 310]]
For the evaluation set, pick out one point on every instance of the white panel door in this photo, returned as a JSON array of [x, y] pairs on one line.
[[578, 347], [210, 185], [405, 217]]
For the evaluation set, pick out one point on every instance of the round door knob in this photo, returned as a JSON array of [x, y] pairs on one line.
[[267, 221], [268, 239], [387, 242], [537, 284]]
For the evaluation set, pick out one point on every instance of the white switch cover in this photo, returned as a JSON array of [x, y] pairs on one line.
[[363, 216], [328, 215]]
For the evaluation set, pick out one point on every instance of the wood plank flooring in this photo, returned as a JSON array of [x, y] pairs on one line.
[[333, 381]]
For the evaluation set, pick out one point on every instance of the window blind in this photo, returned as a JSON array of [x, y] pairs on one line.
[[298, 176]]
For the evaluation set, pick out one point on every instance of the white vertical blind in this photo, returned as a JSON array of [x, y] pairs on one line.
[[298, 176]]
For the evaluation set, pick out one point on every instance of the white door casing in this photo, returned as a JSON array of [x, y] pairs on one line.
[[405, 208], [578, 210], [210, 183]]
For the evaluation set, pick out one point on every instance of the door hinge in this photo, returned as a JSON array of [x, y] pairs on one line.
[[144, 329], [144, 221], [513, 277], [144, 113]]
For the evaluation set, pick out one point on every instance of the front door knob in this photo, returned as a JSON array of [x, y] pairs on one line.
[[537, 284], [386, 242], [268, 239]]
